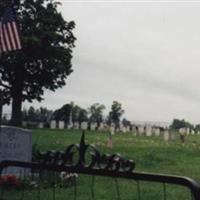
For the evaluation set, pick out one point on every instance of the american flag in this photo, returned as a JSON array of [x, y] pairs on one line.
[[9, 32]]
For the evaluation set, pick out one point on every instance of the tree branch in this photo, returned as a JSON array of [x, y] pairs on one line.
[[4, 85]]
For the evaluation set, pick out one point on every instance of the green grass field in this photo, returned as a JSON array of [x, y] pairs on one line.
[[151, 154]]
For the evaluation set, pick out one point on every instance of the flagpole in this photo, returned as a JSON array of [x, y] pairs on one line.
[[1, 107], [1, 91], [6, 43]]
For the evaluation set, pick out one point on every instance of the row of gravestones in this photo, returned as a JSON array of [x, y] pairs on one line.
[[84, 126], [153, 131], [146, 130], [188, 131], [140, 130]]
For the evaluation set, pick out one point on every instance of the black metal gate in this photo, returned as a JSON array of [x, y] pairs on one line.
[[61, 175]]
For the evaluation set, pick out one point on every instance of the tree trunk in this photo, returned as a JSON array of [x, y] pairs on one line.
[[16, 119], [17, 87]]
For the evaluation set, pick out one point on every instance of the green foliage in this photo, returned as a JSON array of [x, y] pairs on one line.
[[78, 114], [126, 122], [36, 115], [177, 124], [45, 60], [115, 113], [96, 113], [197, 127], [63, 113]]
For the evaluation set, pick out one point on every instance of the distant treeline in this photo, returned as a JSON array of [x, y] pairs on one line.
[[75, 113], [71, 113]]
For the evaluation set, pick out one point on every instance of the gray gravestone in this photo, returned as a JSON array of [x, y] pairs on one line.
[[166, 135], [76, 125], [61, 124], [112, 129], [53, 124], [70, 126], [41, 125], [148, 130], [141, 130], [157, 132], [15, 144], [84, 126], [93, 126]]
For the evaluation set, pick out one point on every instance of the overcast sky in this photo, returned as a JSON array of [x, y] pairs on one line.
[[146, 55]]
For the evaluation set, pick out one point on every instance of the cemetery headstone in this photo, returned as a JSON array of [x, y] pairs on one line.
[[69, 125], [192, 132], [166, 135], [141, 130], [15, 144], [157, 132], [128, 129], [124, 130], [134, 130], [148, 130], [76, 125], [84, 125], [93, 126], [53, 124], [188, 131], [41, 125], [61, 124], [112, 129]]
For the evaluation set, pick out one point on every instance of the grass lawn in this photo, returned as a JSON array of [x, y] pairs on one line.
[[151, 154]]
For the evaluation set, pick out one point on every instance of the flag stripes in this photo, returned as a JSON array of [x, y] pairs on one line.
[[9, 32]]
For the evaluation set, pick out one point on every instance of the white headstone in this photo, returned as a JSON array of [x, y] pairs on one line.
[[148, 130], [112, 129], [157, 132], [93, 126], [127, 128], [53, 124], [61, 124], [166, 135], [84, 125], [124, 129], [15, 144], [141, 130], [182, 130], [76, 125], [69, 125], [41, 125], [134, 129], [173, 136], [188, 131]]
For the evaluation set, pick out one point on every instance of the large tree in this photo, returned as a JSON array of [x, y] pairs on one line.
[[63, 113], [45, 60], [177, 124], [115, 113], [96, 113]]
